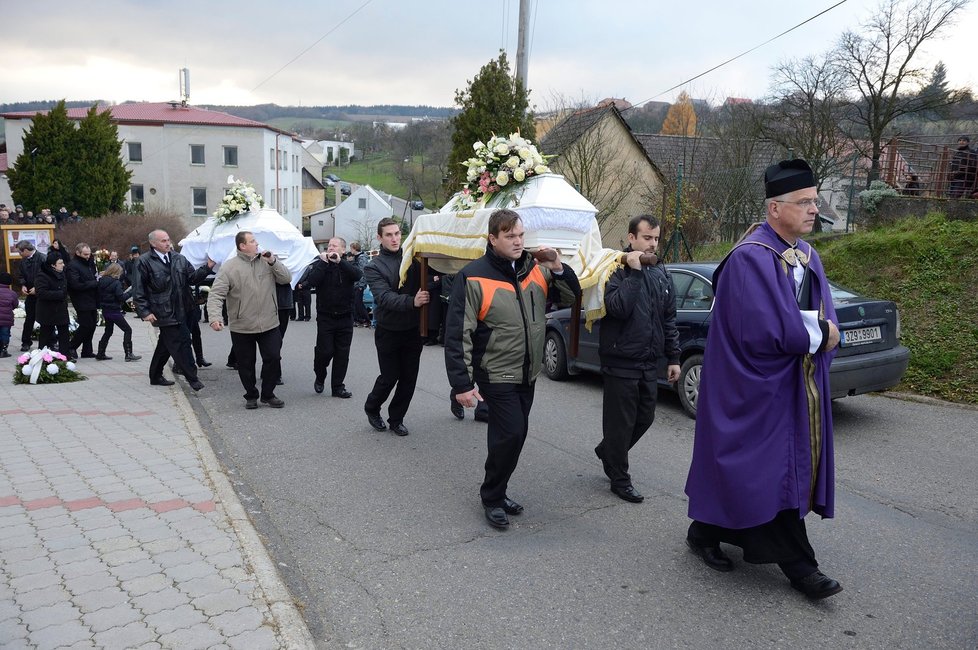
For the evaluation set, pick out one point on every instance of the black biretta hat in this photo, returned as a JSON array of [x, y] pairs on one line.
[[788, 176]]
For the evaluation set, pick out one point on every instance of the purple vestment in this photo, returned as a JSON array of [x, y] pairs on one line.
[[764, 404]]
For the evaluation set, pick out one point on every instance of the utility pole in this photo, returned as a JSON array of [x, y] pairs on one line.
[[521, 53]]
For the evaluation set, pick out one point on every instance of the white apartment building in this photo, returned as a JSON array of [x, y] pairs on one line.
[[181, 157]]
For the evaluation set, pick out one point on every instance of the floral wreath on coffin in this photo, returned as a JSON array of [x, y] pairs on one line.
[[241, 197], [499, 165]]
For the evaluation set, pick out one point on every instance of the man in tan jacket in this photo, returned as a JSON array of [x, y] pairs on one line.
[[247, 282]]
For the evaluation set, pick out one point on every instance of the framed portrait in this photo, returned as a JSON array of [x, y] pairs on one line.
[[40, 236]]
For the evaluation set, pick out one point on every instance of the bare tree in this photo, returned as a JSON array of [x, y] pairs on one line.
[[878, 61]]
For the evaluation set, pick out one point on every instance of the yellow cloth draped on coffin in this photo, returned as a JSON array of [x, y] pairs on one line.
[[553, 214]]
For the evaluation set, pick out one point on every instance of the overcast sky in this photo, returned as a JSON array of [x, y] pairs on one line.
[[417, 51]]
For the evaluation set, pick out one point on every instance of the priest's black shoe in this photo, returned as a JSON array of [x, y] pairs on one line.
[[712, 556], [342, 393], [628, 493], [318, 386], [457, 409], [497, 517], [160, 381], [817, 586], [196, 384], [376, 421], [273, 401], [399, 429], [511, 507], [604, 463], [203, 363]]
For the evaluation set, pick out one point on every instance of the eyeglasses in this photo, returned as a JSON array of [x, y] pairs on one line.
[[804, 203]]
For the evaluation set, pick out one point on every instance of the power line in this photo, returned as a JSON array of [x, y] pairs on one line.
[[297, 56], [756, 47]]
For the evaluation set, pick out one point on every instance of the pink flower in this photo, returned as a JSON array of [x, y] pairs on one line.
[[48, 358], [24, 358], [59, 356]]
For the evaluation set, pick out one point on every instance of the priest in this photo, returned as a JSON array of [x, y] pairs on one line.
[[763, 453]]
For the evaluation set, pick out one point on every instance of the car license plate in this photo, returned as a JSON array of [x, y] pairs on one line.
[[862, 336]]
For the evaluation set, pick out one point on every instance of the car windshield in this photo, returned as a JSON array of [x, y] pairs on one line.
[[841, 293]]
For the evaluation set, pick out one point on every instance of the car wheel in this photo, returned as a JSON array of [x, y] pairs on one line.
[[555, 357], [689, 383]]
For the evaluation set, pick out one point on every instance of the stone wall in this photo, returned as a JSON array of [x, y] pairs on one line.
[[894, 208]]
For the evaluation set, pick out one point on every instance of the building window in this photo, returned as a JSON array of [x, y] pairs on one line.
[[199, 201], [295, 196], [230, 156], [135, 194], [362, 204], [271, 158], [135, 152], [196, 154], [285, 160], [285, 200]]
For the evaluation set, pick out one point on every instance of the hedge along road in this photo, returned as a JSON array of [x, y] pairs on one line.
[[383, 542]]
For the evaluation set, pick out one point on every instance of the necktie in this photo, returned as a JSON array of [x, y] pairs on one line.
[[166, 260]]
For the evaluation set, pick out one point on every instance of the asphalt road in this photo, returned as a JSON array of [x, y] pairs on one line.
[[383, 542]]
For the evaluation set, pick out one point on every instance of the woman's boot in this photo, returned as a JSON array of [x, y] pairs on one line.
[[129, 355], [101, 356]]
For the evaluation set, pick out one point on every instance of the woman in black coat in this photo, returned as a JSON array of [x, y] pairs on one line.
[[51, 289], [59, 249], [110, 299]]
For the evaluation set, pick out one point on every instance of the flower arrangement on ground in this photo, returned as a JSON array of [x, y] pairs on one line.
[[238, 199], [498, 164], [101, 259], [45, 367]]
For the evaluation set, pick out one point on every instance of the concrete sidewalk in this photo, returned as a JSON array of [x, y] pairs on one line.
[[118, 527]]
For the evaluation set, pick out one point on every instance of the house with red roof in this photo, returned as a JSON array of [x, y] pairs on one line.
[[181, 156]]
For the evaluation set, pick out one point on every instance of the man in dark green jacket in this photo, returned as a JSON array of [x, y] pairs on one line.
[[494, 337]]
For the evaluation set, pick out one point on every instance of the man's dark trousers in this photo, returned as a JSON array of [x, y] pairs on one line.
[[399, 357], [334, 337], [509, 418], [270, 348], [87, 323], [30, 308], [173, 341], [627, 413]]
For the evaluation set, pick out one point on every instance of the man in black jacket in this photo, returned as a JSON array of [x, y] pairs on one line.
[[638, 330], [162, 297], [396, 337], [83, 291], [30, 265], [333, 276]]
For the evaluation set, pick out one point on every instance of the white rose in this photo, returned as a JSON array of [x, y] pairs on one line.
[[525, 153], [478, 145], [70, 365], [52, 369], [541, 169], [501, 149], [513, 162], [519, 175], [502, 178]]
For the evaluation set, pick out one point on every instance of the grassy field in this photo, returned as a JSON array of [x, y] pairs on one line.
[[377, 172], [928, 266]]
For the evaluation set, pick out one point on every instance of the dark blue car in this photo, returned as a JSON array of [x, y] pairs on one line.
[[870, 356]]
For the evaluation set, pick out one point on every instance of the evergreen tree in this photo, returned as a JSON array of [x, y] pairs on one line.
[[101, 180], [41, 175], [681, 118], [493, 103]]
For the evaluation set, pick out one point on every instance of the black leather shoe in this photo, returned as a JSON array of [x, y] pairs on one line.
[[25, 347], [497, 518], [399, 429], [279, 382], [457, 410], [274, 402], [712, 556], [87, 355], [817, 586], [628, 493], [204, 363], [232, 366], [160, 381], [342, 393], [511, 507], [251, 404], [376, 421], [318, 386], [196, 384]]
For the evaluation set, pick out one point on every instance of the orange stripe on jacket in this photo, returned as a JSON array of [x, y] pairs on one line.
[[536, 275], [489, 288]]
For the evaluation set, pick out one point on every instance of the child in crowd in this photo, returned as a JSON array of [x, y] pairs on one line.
[[8, 303]]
